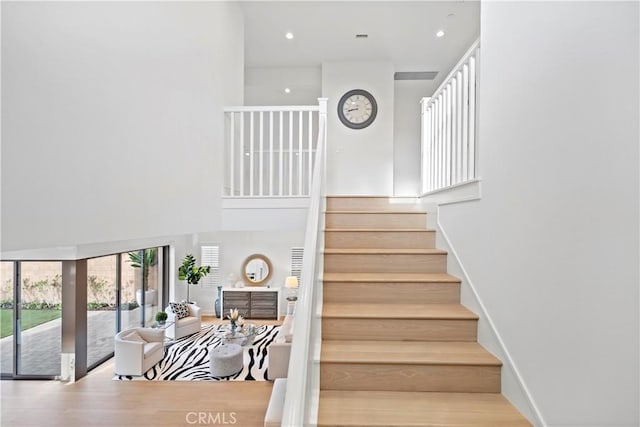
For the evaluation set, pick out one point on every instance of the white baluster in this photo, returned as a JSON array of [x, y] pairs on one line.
[[242, 156], [271, 153], [251, 132], [300, 133], [432, 147], [290, 153], [447, 151], [260, 168], [280, 160], [472, 116], [440, 171], [310, 156], [465, 123], [231, 150], [459, 127]]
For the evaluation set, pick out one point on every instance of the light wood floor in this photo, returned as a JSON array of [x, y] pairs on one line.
[[97, 400]]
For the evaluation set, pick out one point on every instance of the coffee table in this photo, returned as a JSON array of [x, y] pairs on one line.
[[242, 336]]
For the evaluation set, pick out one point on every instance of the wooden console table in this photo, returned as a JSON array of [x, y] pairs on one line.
[[252, 302]]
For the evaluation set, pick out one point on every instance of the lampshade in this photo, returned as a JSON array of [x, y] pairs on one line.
[[291, 282]]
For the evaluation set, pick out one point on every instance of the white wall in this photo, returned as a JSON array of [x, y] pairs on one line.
[[235, 247], [359, 162], [265, 85], [112, 121], [263, 214], [406, 135], [552, 246]]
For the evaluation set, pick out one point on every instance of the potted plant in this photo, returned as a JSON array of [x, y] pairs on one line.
[[147, 258], [161, 317], [189, 272]]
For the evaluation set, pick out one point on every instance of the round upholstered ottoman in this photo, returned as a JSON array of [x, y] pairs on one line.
[[225, 360]]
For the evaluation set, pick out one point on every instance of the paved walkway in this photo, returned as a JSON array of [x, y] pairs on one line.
[[41, 344]]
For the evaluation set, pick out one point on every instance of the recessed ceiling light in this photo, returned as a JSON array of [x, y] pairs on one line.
[[440, 33], [287, 90], [289, 36]]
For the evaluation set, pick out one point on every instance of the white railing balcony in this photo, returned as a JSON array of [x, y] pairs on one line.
[[270, 150], [449, 131]]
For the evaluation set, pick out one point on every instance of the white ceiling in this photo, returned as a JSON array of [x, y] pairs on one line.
[[400, 32]]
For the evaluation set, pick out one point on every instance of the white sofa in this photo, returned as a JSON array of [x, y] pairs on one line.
[[179, 328], [280, 350], [137, 350]]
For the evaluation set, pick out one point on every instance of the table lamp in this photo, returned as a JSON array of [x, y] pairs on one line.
[[291, 283]]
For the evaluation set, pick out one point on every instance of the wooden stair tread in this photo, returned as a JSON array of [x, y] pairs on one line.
[[367, 251], [406, 352], [383, 230], [391, 277], [397, 311], [424, 409], [373, 211]]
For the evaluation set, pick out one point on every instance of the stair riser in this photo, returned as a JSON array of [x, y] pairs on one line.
[[375, 220], [405, 377], [385, 293], [385, 329], [379, 239], [385, 263], [424, 409], [368, 203]]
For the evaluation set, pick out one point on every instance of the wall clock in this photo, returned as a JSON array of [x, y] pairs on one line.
[[357, 109]]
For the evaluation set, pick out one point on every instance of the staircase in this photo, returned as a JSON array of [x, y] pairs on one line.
[[398, 348]]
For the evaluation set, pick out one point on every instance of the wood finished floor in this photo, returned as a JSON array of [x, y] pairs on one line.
[[97, 400]]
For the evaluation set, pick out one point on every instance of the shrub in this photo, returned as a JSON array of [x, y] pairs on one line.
[[41, 305], [130, 305]]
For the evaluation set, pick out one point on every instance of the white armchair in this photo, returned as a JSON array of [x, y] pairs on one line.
[[138, 349], [179, 328]]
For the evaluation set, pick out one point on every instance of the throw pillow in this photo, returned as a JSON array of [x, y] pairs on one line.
[[180, 309], [134, 336]]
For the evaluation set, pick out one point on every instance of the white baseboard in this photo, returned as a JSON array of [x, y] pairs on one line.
[[513, 385]]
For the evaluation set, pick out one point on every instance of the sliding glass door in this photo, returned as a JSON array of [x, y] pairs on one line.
[[123, 291], [101, 307], [141, 286], [7, 289], [39, 323]]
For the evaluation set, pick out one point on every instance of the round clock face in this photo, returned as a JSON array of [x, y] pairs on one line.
[[357, 109]]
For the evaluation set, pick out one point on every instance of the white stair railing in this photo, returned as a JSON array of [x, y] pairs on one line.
[[269, 150], [303, 380], [449, 131]]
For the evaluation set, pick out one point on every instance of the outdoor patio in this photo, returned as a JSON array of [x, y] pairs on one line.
[[41, 344]]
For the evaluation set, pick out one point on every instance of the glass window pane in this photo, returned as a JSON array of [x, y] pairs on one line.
[[40, 318], [153, 287], [101, 306], [130, 280], [6, 316]]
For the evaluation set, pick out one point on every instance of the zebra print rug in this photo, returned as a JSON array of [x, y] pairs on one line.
[[188, 358]]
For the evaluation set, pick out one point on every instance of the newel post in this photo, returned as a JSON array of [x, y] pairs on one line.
[[322, 105], [322, 121]]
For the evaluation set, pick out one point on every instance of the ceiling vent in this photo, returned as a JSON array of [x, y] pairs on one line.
[[415, 75], [362, 36]]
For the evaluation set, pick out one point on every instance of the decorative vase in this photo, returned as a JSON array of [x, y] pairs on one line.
[[217, 305], [233, 328]]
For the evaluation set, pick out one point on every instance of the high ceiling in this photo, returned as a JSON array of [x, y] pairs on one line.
[[403, 33]]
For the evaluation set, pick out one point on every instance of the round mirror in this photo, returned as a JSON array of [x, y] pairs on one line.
[[256, 270]]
